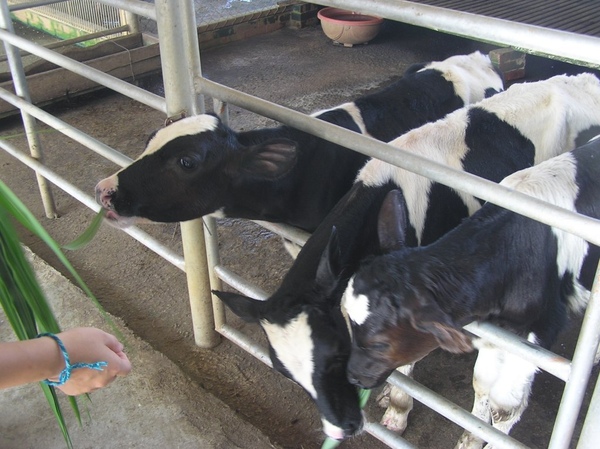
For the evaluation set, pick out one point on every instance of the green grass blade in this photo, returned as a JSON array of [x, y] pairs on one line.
[[21, 297], [19, 211], [50, 394], [363, 397], [25, 305], [22, 288], [88, 234]]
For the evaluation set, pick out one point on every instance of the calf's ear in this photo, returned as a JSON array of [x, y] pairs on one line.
[[329, 269], [269, 160], [246, 308], [430, 318], [392, 222]]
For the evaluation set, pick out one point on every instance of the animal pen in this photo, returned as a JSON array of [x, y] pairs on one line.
[[184, 88]]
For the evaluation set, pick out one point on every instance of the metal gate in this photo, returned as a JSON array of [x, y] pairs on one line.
[[184, 89]]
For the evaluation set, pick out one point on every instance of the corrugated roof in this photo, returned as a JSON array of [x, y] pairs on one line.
[[576, 16]]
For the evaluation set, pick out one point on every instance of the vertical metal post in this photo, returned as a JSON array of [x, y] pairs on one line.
[[180, 60], [590, 434], [212, 240], [212, 254], [583, 360], [130, 19], [29, 123]]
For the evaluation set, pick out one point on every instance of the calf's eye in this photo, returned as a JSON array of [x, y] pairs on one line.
[[187, 163], [379, 347]]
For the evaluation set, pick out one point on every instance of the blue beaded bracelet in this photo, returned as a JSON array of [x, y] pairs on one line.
[[65, 374]]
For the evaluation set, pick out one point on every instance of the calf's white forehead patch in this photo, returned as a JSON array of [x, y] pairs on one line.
[[356, 306], [294, 348], [185, 127]]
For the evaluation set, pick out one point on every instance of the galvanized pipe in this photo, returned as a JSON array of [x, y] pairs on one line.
[[240, 284], [66, 129], [392, 439], [582, 226], [77, 39], [454, 413], [528, 38], [547, 360], [212, 240], [246, 343], [123, 87], [180, 59], [132, 21], [590, 433], [583, 359], [139, 8], [34, 4], [554, 364], [213, 260], [298, 236], [22, 89]]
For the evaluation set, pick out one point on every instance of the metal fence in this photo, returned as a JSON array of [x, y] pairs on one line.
[[201, 259]]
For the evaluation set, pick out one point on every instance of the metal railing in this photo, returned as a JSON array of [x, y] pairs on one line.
[[582, 226], [183, 92]]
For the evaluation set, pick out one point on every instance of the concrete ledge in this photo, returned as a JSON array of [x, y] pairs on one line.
[[293, 14], [155, 406]]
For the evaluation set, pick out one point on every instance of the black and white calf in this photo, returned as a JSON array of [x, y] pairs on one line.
[[198, 165], [308, 338], [497, 266]]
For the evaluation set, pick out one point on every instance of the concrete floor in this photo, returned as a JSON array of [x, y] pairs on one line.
[[300, 69]]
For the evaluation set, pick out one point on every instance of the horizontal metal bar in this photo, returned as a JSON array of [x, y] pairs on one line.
[[246, 343], [123, 87], [392, 439], [528, 38], [78, 39], [288, 232], [454, 413], [90, 202], [34, 4], [50, 175], [577, 224], [503, 339], [68, 130], [240, 284], [143, 9]]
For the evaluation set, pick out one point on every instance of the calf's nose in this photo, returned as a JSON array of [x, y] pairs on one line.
[[105, 192], [353, 427]]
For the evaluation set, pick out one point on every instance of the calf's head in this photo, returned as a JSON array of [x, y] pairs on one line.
[[393, 317], [308, 335], [309, 342], [187, 170]]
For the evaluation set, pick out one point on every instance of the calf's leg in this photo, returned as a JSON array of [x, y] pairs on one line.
[[502, 384], [398, 403]]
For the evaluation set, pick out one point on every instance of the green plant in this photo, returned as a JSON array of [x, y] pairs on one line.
[[21, 296]]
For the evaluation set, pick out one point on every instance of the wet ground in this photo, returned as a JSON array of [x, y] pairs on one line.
[[300, 69]]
